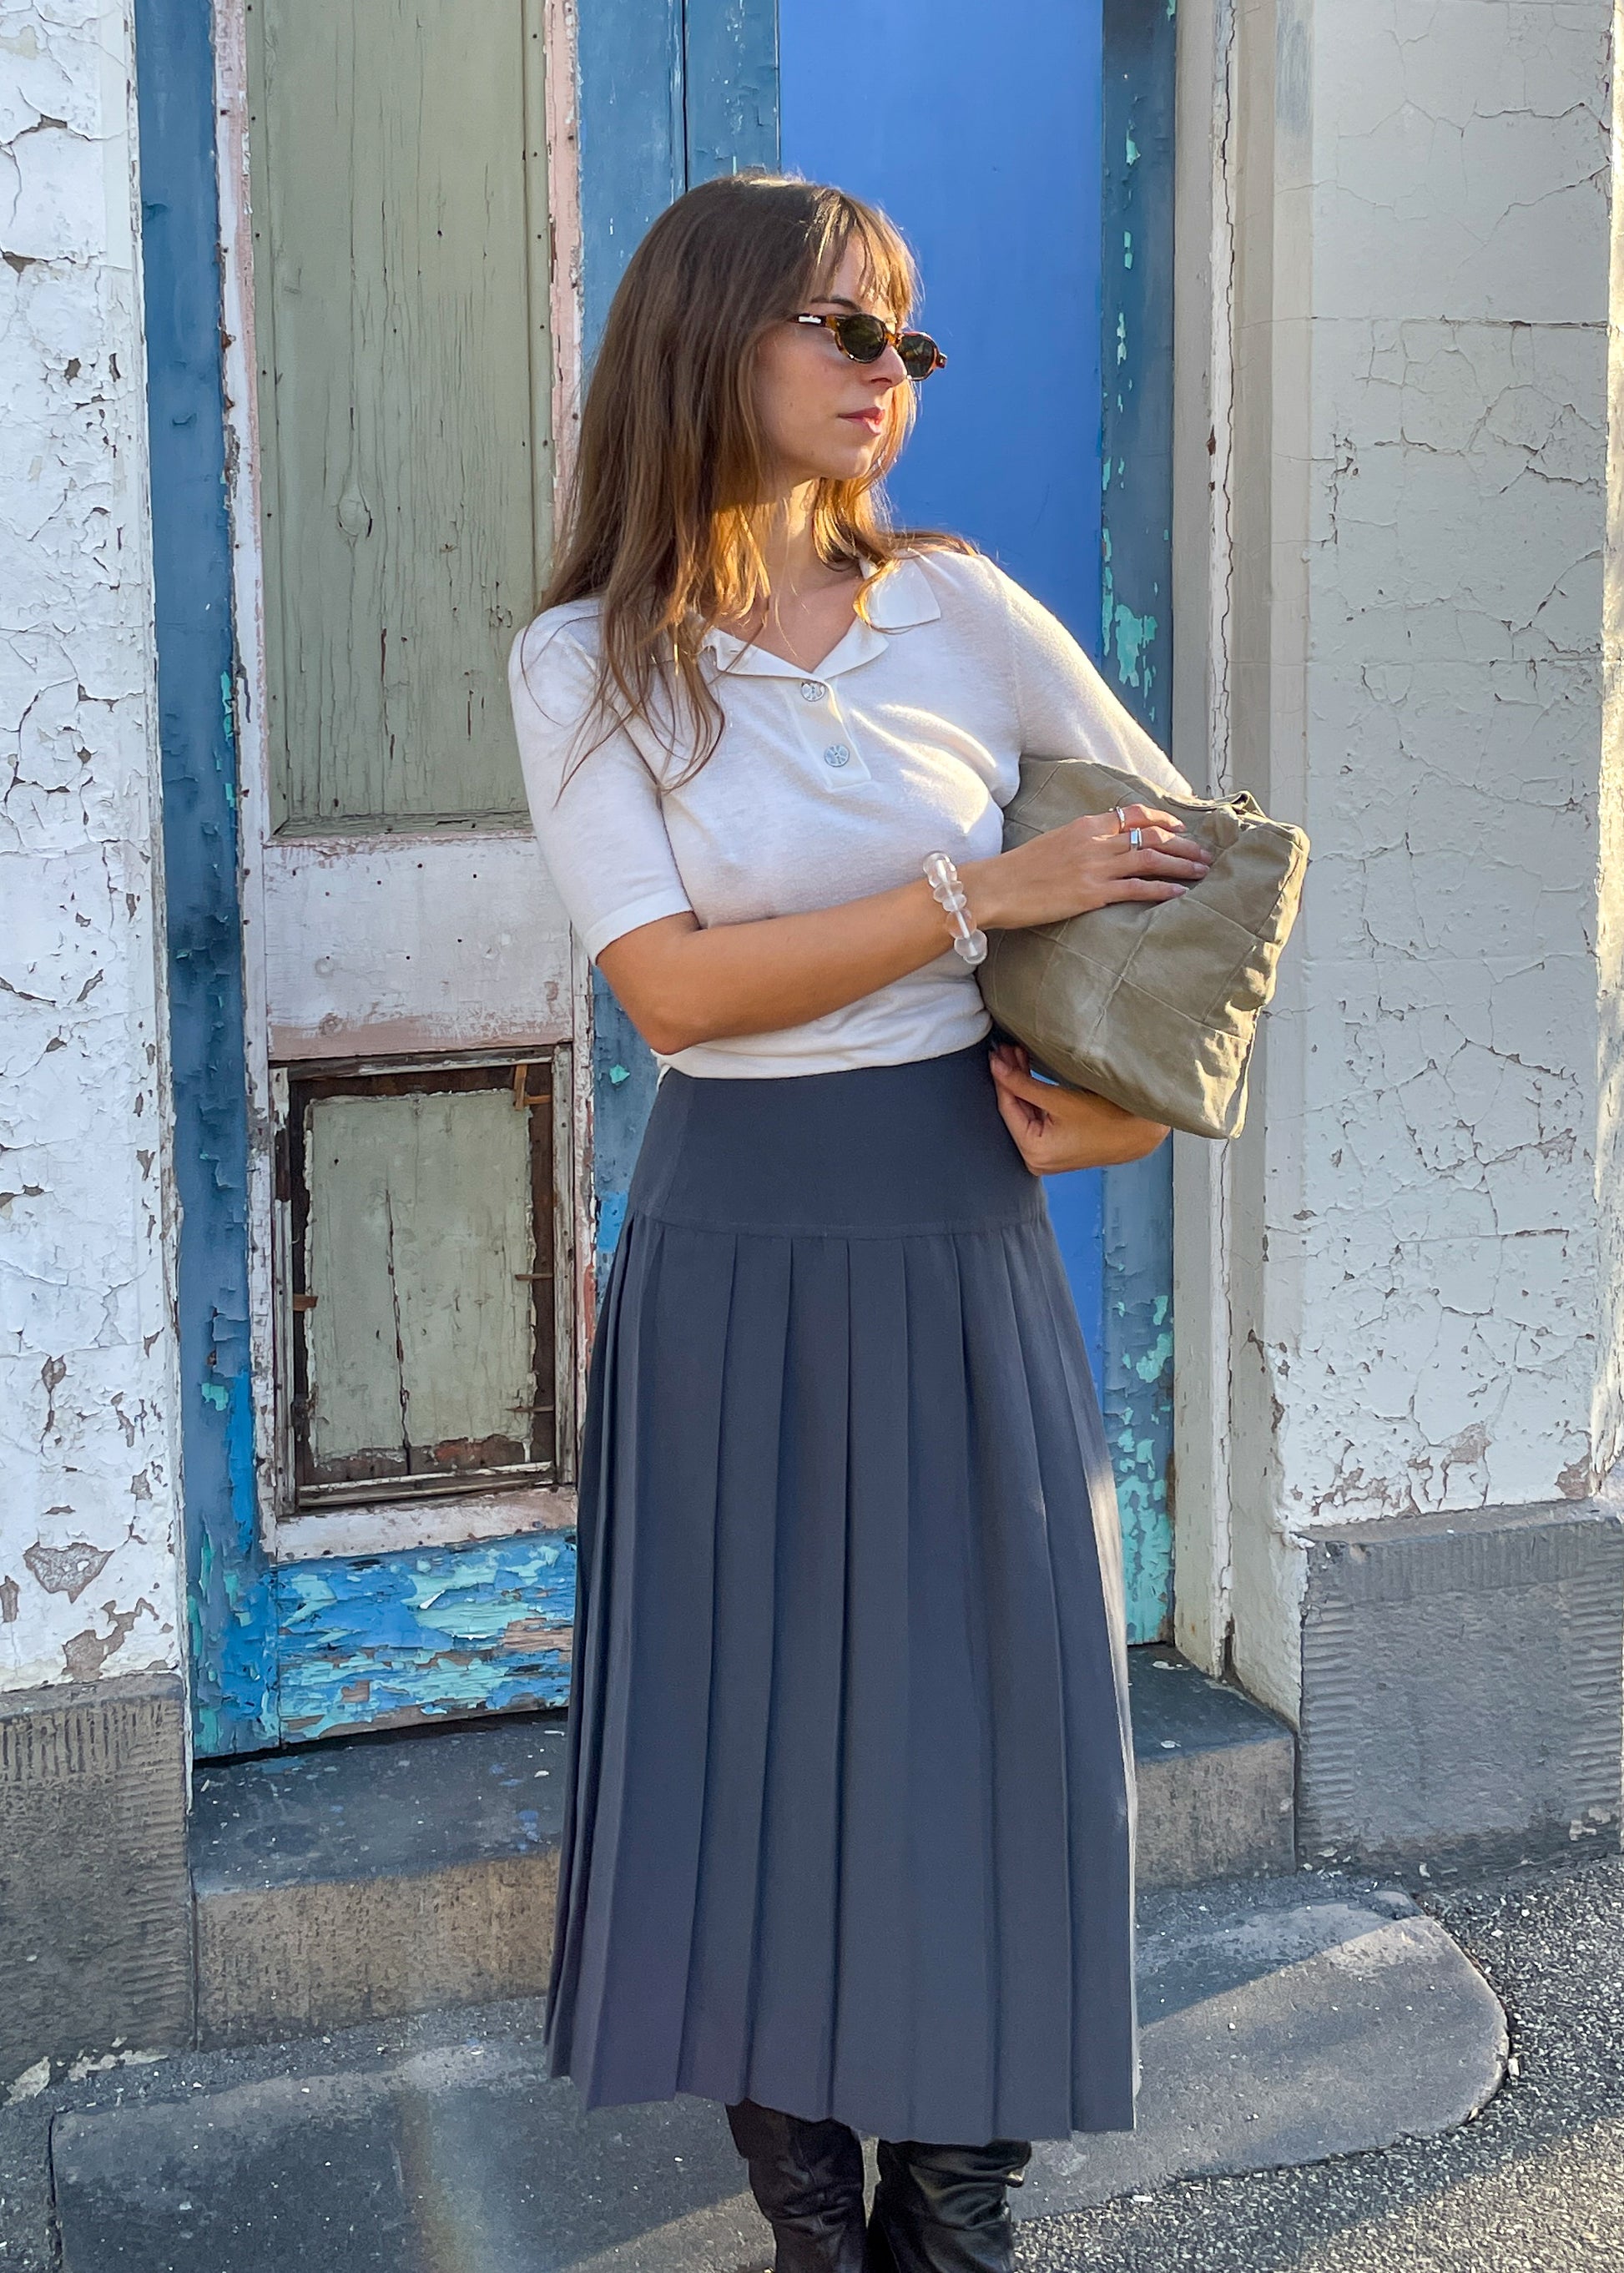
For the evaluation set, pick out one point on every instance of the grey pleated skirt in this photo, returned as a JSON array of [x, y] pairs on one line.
[[850, 1814]]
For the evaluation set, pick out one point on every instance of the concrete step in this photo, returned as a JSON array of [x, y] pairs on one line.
[[1284, 2022], [1216, 1773], [399, 1873]]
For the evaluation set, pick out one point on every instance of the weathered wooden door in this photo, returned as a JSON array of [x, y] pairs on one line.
[[411, 1004], [1026, 151]]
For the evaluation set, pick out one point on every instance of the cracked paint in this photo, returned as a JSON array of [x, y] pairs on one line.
[[85, 1384], [427, 1634], [1436, 1322]]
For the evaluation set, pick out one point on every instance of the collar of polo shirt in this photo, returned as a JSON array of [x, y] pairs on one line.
[[898, 598]]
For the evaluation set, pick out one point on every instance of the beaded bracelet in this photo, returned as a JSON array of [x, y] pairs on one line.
[[943, 878]]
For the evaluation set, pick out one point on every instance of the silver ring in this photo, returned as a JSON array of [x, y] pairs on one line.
[[1136, 838], [1121, 812]]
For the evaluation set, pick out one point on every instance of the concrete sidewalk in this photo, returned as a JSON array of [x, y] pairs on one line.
[[1285, 2021], [1534, 2185]]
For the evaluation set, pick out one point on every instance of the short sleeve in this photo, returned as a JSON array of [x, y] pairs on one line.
[[598, 821], [1065, 707]]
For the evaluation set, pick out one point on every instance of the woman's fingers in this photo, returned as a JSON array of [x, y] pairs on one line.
[[1165, 841], [1163, 864], [1136, 816], [1141, 887], [1020, 1119], [1089, 863], [1018, 1083]]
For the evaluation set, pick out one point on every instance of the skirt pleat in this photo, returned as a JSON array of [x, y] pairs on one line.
[[849, 1817]]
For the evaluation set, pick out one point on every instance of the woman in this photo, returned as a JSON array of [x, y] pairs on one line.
[[850, 1816]]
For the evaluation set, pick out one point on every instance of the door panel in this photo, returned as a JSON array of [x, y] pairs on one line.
[[404, 385], [422, 1292], [378, 946]]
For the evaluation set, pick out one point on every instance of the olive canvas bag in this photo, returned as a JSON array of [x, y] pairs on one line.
[[1153, 1004]]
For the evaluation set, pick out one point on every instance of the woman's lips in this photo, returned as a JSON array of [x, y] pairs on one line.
[[872, 419]]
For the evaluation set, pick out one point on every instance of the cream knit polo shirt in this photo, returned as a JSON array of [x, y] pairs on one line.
[[826, 786]]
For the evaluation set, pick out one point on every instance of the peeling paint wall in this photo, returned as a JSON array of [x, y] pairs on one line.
[[1426, 1233], [88, 1550]]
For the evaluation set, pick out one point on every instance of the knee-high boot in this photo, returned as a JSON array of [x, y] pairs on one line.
[[807, 2179], [945, 2209]]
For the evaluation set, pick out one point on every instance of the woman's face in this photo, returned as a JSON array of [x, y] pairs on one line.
[[824, 417]]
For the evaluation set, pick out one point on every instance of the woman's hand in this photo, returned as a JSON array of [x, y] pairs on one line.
[[1087, 864], [1057, 1129]]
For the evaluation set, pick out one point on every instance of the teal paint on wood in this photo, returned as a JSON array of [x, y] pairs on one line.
[[231, 1629], [1136, 655], [1137, 362], [429, 1633], [1137, 1380]]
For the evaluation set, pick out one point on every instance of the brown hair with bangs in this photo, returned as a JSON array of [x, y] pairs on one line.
[[670, 496]]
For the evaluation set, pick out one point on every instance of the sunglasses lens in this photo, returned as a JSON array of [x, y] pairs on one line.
[[861, 337], [920, 354]]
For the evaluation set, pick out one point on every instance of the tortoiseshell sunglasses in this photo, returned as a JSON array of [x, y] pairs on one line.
[[866, 338]]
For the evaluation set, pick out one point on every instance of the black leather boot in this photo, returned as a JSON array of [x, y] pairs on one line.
[[944, 2209], [807, 2179]]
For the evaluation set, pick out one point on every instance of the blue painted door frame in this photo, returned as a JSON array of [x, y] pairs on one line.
[[671, 91], [233, 1625]]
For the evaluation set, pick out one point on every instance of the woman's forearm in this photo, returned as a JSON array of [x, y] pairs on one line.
[[681, 984]]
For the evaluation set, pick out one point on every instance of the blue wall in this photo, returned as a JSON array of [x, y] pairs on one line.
[[1026, 151], [977, 130]]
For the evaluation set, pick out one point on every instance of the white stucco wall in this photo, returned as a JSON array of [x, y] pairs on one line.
[[1426, 1222], [88, 1564]]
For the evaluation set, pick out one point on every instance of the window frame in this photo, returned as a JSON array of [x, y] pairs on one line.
[[552, 1276]]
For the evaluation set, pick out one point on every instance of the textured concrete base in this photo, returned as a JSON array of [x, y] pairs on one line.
[[1463, 1686], [387, 1875], [95, 1915], [376, 1876], [1285, 2021]]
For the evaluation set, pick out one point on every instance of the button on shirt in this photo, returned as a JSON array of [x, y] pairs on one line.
[[822, 789]]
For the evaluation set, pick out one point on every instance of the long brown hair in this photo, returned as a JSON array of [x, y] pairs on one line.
[[666, 510]]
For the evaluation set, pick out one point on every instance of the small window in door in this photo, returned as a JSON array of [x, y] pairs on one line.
[[426, 1280]]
